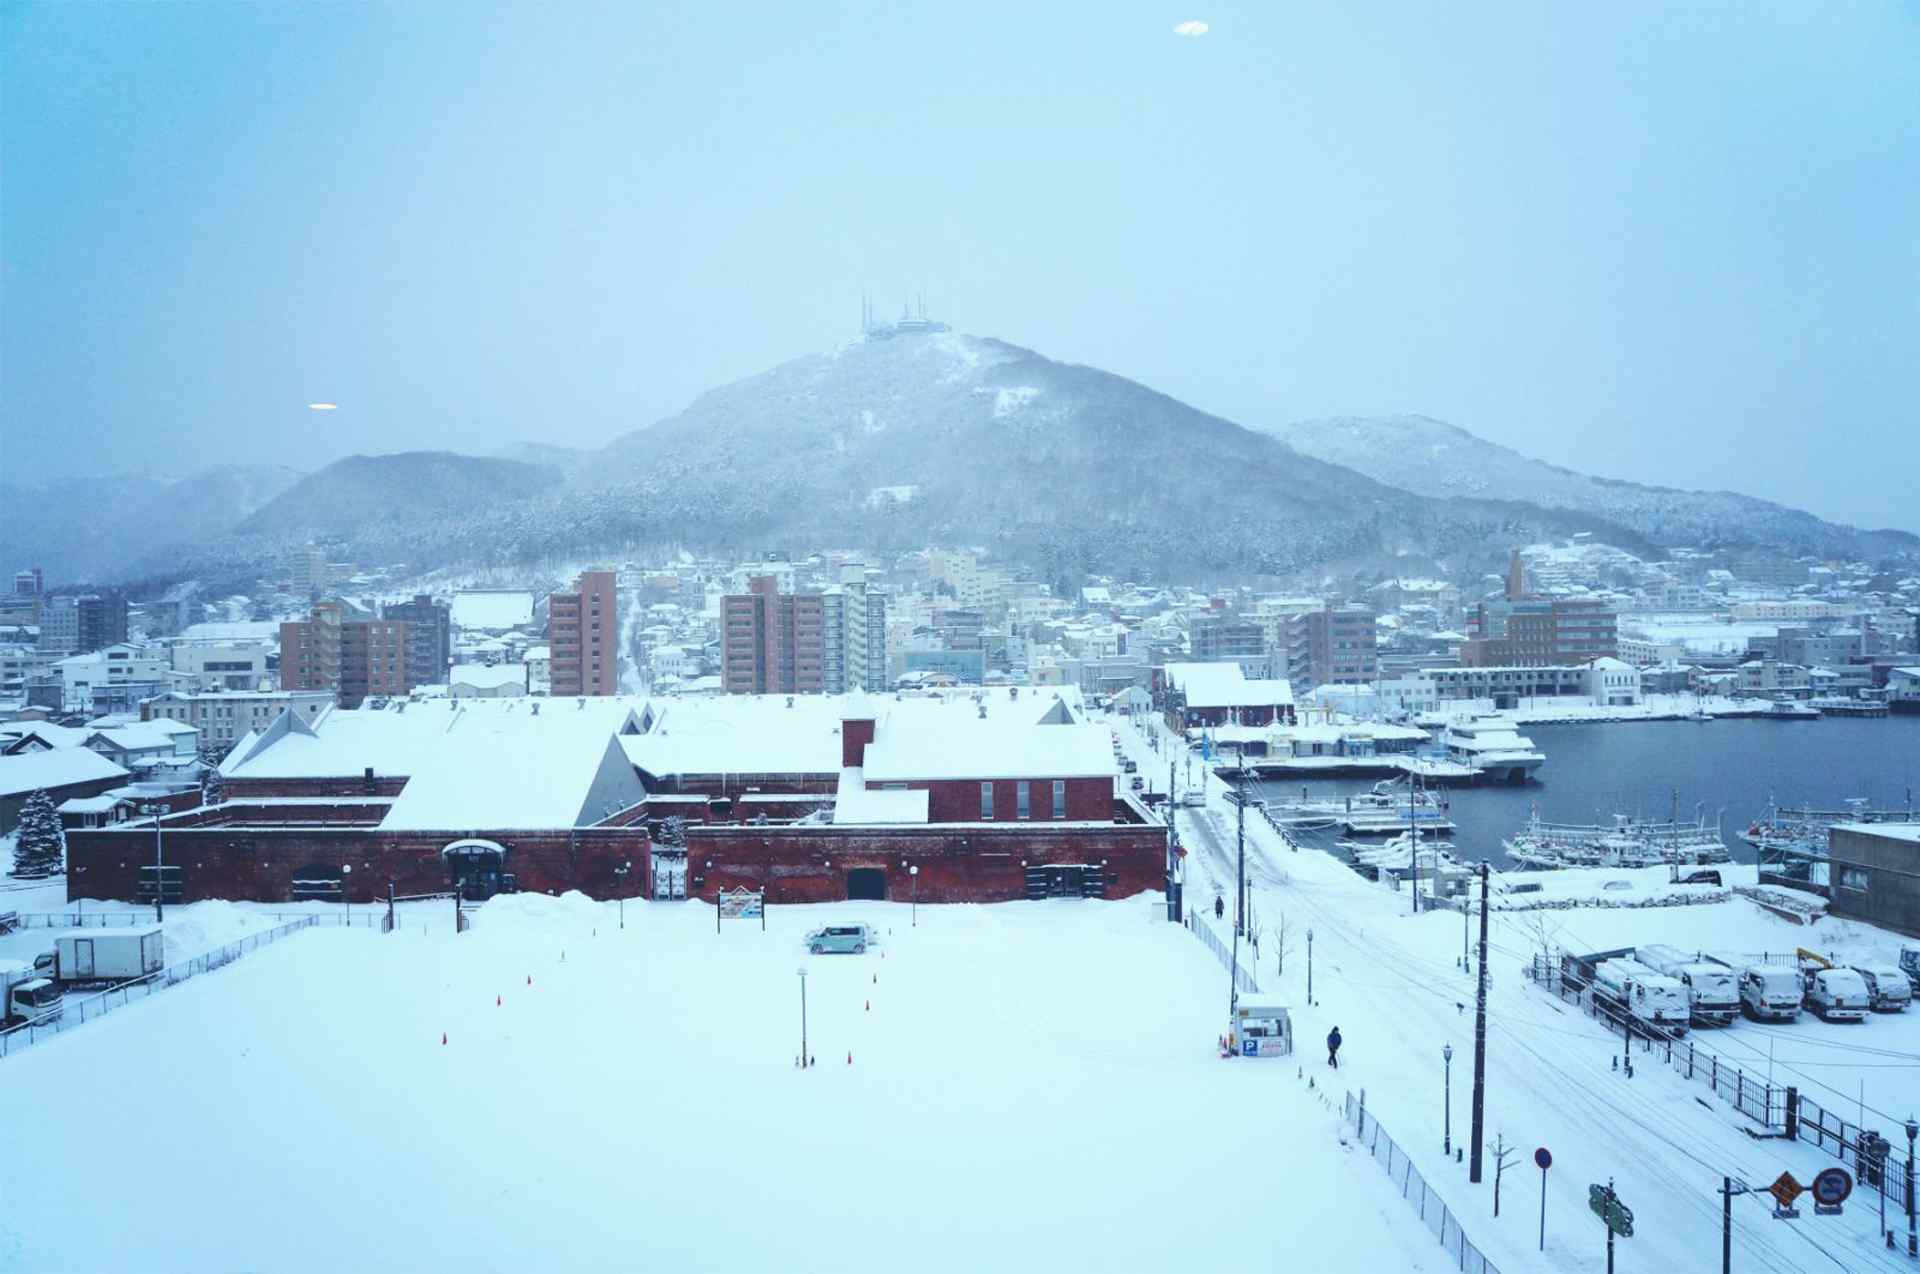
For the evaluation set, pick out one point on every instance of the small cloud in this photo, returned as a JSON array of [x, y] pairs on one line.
[[323, 406], [1191, 28]]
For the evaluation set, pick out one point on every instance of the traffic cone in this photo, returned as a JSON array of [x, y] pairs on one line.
[[869, 1006], [529, 979], [496, 1001], [443, 1039], [849, 1057]]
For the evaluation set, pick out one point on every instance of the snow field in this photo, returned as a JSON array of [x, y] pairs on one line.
[[1034, 1086]]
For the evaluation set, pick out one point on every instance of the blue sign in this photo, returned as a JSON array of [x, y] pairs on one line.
[[1543, 1159], [1250, 1047]]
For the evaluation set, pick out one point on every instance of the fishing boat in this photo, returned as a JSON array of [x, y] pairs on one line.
[[1493, 749], [1392, 806], [1625, 842]]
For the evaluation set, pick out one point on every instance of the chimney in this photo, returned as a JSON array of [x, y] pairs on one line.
[[855, 734]]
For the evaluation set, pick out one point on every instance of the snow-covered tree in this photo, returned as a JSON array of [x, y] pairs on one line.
[[40, 849], [673, 832], [213, 788]]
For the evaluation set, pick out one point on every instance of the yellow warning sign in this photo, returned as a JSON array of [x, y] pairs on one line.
[[1786, 1190]]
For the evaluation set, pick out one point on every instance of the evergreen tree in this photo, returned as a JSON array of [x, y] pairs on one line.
[[213, 788], [41, 847]]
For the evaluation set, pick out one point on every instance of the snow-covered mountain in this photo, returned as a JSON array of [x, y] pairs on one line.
[[1431, 457]]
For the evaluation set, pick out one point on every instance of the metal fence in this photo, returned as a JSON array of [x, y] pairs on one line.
[[1413, 1188], [77, 1012], [81, 919], [1867, 1151], [1243, 978]]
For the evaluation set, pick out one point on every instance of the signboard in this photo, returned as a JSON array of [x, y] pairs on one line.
[[741, 904], [1605, 1204], [1830, 1190], [1542, 1159], [1786, 1190]]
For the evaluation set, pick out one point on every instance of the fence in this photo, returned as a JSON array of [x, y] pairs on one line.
[[81, 919], [1413, 1188], [1243, 979], [78, 1012], [1868, 1152]]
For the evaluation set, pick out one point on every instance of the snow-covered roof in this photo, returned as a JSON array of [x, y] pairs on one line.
[[488, 676], [854, 802], [59, 767], [994, 748], [1892, 831], [54, 736], [267, 630], [490, 780], [495, 608], [90, 804], [1226, 685]]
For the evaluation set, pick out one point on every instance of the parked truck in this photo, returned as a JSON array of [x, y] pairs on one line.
[[1655, 1003], [1834, 993], [1713, 993], [104, 956], [1770, 992], [1910, 965], [1888, 986], [27, 995]]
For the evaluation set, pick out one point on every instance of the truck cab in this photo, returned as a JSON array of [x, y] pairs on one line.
[[29, 998], [1910, 965], [1661, 1002], [1838, 995], [1888, 986], [1770, 993]]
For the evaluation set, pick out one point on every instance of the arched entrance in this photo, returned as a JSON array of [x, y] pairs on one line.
[[866, 884], [476, 869]]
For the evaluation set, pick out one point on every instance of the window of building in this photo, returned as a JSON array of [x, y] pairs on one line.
[[986, 800], [1853, 878], [1022, 802], [1059, 798]]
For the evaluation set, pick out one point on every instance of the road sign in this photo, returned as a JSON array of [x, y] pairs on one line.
[[1605, 1204], [1785, 1191], [1543, 1159], [1832, 1186]]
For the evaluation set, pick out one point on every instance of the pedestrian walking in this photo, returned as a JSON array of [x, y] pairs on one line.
[[1333, 1048]]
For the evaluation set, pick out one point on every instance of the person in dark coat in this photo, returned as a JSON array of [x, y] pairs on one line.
[[1219, 906], [1333, 1048]]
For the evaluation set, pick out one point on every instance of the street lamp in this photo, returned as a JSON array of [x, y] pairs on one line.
[[621, 871], [346, 898], [802, 971], [1309, 967], [156, 809], [1913, 1240], [914, 872], [1446, 1139]]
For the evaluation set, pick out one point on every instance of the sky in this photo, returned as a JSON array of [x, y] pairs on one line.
[[1670, 243]]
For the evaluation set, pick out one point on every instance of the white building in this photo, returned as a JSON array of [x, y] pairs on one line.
[[1613, 683], [487, 681], [222, 717], [124, 664], [225, 665]]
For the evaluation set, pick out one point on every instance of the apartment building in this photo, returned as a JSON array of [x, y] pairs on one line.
[[346, 650], [583, 636], [429, 637], [224, 717], [774, 642]]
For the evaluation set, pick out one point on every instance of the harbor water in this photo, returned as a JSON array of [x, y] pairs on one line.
[[1731, 769]]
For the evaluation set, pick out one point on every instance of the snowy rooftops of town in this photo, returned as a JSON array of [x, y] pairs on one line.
[[1226, 685], [264, 630], [495, 609], [58, 767], [488, 676]]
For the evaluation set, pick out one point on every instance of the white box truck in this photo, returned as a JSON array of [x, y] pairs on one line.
[[26, 995], [1888, 986], [108, 955], [1838, 995], [1712, 990], [1770, 992], [1657, 1002]]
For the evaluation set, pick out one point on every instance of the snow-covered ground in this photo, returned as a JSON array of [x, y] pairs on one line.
[[1393, 984], [1034, 1086]]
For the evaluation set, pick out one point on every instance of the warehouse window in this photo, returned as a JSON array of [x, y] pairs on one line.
[[1023, 801], [986, 800], [1853, 878], [1059, 798]]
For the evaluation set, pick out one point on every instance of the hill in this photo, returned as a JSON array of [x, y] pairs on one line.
[[1431, 457]]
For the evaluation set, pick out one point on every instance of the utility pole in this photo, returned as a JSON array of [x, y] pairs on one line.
[[1480, 1039], [1240, 867], [1413, 845]]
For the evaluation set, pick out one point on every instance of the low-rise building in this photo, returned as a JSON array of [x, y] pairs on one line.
[[1874, 874], [222, 717], [1221, 694]]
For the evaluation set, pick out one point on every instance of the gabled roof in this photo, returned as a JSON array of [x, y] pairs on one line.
[[61, 767], [1226, 685]]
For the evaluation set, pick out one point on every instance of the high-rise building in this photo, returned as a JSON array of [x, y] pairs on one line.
[[429, 637], [1539, 632], [346, 650], [1342, 646], [29, 583], [307, 568], [1228, 639], [854, 645], [80, 625], [583, 636], [774, 642]]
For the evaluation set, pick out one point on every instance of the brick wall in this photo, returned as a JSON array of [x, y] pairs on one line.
[[958, 800], [810, 864], [356, 785], [258, 864]]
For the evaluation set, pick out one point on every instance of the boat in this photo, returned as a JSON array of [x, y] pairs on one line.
[[1625, 842], [1789, 710], [1841, 706], [1493, 749], [1807, 827]]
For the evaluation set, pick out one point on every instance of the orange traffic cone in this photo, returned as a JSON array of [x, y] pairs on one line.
[[529, 979], [869, 1006], [443, 1039], [849, 1058], [496, 1001]]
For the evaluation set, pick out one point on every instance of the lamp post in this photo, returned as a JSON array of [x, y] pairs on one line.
[[346, 898], [1309, 966], [156, 810], [803, 1015], [621, 873], [1913, 1238], [914, 872], [1446, 1137]]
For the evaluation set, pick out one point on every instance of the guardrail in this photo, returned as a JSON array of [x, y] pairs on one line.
[[85, 1009], [82, 919], [1413, 1188]]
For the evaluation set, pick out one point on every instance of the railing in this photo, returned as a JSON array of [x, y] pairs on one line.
[[77, 1012], [83, 919], [1868, 1152], [1413, 1188], [1243, 978]]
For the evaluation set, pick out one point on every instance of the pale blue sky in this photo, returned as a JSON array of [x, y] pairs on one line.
[[1671, 243]]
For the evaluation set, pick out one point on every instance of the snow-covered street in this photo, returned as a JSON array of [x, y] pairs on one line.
[[1034, 1086]]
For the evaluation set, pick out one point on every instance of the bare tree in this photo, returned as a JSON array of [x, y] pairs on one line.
[[1283, 943], [1543, 937], [1501, 1153]]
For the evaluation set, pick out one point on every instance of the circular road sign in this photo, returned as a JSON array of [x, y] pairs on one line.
[[1543, 1159], [1832, 1186]]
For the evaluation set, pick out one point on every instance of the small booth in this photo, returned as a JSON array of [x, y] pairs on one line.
[[1258, 1028]]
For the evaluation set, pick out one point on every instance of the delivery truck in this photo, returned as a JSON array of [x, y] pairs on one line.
[[1887, 985], [1713, 994], [1770, 992], [105, 955], [27, 995]]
